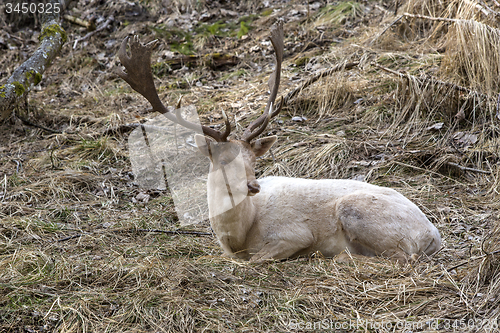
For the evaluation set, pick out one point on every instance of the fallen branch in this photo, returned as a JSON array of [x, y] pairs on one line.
[[29, 74], [212, 60], [467, 168], [92, 33]]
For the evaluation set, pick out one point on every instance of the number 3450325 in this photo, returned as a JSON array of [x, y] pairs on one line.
[[25, 8]]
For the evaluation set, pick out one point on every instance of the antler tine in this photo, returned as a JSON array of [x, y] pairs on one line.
[[227, 130], [274, 82], [139, 76], [278, 110], [261, 129]]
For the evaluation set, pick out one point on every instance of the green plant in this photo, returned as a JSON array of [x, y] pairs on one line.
[[244, 28]]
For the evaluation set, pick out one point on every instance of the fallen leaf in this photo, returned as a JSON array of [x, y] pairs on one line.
[[435, 127]]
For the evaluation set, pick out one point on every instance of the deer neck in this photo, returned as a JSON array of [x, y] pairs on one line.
[[231, 217]]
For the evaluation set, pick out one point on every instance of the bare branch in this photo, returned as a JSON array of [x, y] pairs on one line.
[[92, 33]]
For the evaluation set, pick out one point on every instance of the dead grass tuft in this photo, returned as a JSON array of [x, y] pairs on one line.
[[325, 99], [473, 56]]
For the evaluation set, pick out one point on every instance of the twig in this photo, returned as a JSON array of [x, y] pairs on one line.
[[315, 78], [468, 169], [132, 126], [171, 232], [70, 237], [432, 18], [387, 28], [27, 122], [90, 34], [176, 232], [484, 8], [90, 24], [498, 107], [475, 258]]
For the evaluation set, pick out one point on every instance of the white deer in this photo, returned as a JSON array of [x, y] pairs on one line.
[[282, 217]]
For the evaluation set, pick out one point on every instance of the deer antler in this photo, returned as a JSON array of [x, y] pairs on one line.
[[138, 75], [274, 82]]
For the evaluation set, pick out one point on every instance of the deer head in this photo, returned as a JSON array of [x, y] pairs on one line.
[[247, 147], [213, 143]]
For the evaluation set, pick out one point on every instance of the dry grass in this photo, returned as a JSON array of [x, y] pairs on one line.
[[76, 254]]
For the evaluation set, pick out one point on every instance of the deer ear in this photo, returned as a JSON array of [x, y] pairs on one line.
[[261, 146], [203, 143]]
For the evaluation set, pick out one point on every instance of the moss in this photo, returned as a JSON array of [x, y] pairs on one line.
[[267, 12], [37, 77], [18, 88], [51, 30], [2, 91], [302, 61]]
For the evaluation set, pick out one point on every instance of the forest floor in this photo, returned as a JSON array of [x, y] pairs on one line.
[[84, 249]]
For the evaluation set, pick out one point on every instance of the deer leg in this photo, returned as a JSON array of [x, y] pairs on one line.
[[281, 249], [380, 223]]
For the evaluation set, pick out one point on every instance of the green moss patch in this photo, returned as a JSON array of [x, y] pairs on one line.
[[19, 88], [52, 30]]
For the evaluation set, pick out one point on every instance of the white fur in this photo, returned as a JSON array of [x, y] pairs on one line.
[[292, 216]]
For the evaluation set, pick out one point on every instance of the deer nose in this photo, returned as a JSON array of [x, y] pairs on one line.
[[253, 187]]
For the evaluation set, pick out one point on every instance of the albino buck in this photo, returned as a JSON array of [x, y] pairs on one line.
[[281, 217]]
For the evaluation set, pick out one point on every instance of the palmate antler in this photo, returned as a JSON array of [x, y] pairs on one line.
[[274, 82], [139, 76]]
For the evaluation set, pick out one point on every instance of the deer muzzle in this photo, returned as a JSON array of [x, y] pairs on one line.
[[253, 187]]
